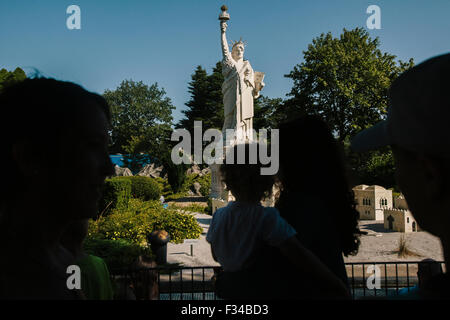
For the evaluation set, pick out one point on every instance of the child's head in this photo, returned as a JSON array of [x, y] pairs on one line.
[[241, 173]]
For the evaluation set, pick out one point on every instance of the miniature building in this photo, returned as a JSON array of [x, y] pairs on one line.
[[400, 218], [371, 201]]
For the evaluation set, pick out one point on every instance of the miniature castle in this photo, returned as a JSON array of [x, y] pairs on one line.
[[377, 203], [399, 218]]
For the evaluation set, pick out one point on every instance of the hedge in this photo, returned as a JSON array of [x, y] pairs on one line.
[[118, 254], [205, 183], [164, 186], [144, 188], [116, 194], [139, 219]]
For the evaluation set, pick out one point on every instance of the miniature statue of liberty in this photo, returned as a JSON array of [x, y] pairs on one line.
[[241, 85]]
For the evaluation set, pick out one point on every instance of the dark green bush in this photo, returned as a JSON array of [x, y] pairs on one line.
[[188, 182], [116, 194], [209, 207], [164, 185], [176, 175], [118, 254], [205, 182], [144, 188]]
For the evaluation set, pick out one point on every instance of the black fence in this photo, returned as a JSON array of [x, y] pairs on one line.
[[366, 279], [383, 279], [167, 283]]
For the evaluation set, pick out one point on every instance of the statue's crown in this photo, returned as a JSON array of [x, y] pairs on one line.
[[235, 43]]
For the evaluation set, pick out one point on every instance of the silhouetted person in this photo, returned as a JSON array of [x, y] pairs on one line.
[[417, 129], [427, 269], [95, 279], [316, 198], [54, 138], [241, 233]]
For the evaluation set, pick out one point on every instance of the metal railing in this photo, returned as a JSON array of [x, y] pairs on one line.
[[167, 283], [383, 279], [366, 279]]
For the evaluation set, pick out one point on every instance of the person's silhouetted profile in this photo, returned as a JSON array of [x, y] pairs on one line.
[[54, 156]]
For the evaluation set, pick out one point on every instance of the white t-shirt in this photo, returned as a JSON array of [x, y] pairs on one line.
[[239, 229]]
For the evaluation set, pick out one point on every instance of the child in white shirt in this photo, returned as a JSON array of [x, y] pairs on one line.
[[240, 229], [244, 226]]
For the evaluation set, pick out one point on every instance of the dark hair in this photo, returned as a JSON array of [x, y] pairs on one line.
[[38, 110], [245, 180], [429, 267], [319, 168]]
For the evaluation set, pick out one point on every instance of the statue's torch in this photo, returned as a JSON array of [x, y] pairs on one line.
[[224, 16]]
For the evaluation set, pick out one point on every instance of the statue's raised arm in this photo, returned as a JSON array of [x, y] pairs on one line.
[[226, 55]]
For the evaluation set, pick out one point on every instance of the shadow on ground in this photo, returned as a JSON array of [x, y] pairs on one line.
[[376, 227], [204, 221]]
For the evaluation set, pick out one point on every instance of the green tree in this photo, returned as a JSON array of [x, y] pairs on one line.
[[345, 80], [268, 113], [373, 167], [176, 173], [206, 102], [10, 77], [141, 122], [380, 169], [198, 88], [215, 98]]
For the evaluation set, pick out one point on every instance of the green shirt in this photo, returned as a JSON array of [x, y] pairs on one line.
[[95, 279]]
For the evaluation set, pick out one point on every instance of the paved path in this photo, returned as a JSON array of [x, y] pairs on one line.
[[181, 253]]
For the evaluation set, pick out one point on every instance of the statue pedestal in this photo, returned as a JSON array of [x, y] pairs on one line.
[[217, 186], [219, 195]]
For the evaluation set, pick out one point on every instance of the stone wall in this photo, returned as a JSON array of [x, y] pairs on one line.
[[402, 221]]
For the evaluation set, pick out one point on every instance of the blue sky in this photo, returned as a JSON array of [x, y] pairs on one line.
[[163, 41]]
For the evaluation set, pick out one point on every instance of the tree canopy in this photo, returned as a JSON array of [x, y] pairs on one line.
[[345, 80], [206, 102], [10, 77], [141, 121]]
